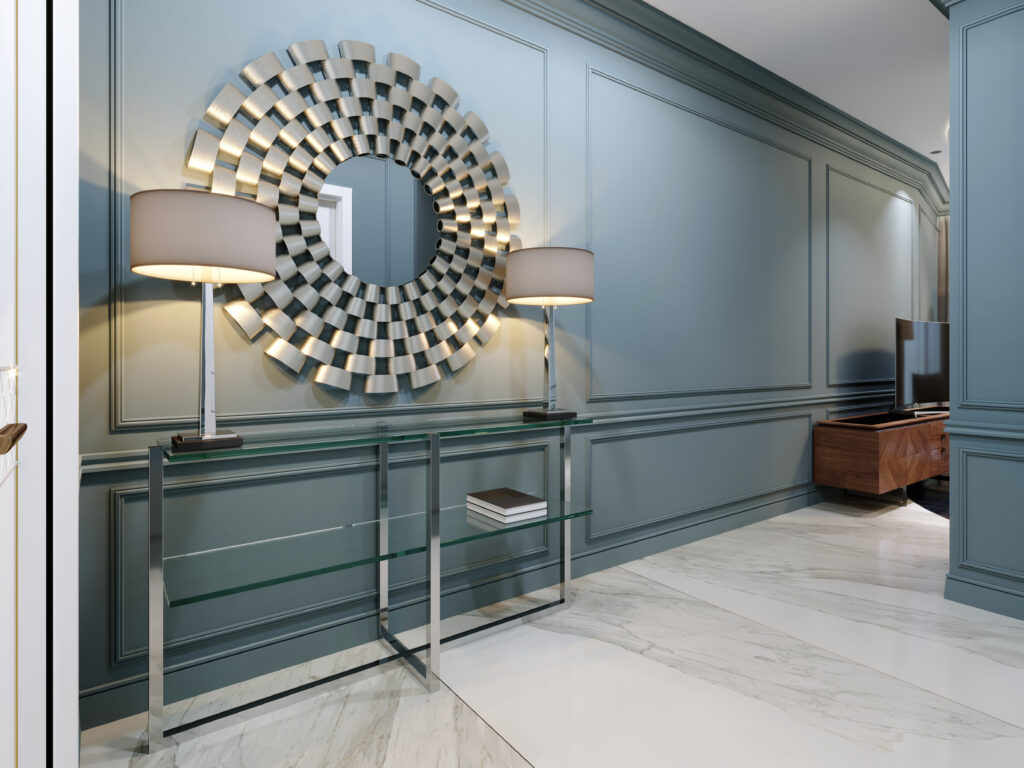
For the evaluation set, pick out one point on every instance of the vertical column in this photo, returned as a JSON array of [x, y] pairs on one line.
[[434, 563], [986, 273], [156, 598], [382, 539], [565, 505]]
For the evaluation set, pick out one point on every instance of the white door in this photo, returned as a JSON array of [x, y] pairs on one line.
[[335, 218], [8, 407], [30, 538]]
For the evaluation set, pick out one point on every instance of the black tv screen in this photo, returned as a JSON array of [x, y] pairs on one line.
[[922, 364]]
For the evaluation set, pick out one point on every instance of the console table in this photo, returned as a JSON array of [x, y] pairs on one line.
[[398, 535], [879, 452]]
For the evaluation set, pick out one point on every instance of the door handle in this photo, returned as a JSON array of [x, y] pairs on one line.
[[10, 435]]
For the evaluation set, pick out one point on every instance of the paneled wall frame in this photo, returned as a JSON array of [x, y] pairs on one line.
[[831, 379], [726, 506], [962, 522], [644, 34], [960, 366], [803, 383]]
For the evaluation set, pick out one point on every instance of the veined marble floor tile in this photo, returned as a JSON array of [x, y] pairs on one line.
[[638, 673], [865, 586], [384, 720]]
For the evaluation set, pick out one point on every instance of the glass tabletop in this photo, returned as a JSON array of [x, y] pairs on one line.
[[363, 434], [199, 576]]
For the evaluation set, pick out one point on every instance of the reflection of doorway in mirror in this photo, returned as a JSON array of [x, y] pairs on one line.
[[335, 218]]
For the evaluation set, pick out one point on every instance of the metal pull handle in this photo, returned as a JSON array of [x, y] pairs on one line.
[[10, 435]]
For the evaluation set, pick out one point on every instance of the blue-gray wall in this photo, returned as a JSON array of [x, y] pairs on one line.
[[752, 247], [987, 315]]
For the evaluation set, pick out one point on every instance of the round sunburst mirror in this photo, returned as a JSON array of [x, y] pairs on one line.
[[414, 303]]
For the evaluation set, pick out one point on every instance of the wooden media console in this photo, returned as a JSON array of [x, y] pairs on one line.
[[880, 452]]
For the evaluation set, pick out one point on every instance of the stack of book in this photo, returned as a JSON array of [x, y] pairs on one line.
[[506, 505]]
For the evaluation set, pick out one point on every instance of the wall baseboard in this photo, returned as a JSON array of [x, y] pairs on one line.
[[985, 596]]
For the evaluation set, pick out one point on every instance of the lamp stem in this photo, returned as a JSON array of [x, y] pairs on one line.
[[549, 357], [207, 387]]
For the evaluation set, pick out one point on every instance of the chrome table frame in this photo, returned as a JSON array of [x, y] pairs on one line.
[[427, 670]]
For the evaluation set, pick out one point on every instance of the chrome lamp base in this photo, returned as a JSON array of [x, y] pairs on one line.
[[197, 442]]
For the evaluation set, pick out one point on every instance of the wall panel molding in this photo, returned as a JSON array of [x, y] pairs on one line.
[[593, 535], [102, 462], [963, 522], [803, 382], [638, 32], [961, 95], [831, 171]]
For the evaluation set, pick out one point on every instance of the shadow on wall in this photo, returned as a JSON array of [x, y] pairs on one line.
[[865, 365]]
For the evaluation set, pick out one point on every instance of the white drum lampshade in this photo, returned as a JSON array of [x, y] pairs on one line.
[[549, 277], [201, 237]]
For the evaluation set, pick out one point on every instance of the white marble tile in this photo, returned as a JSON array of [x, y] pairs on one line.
[[865, 587], [383, 720], [819, 638], [636, 672]]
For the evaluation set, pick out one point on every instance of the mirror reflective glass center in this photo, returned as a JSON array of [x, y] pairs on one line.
[[378, 220]]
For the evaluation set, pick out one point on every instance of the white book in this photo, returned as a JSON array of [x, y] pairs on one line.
[[497, 516], [506, 501]]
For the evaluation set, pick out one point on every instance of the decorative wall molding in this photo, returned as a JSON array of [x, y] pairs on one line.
[[118, 461], [829, 171], [983, 430], [593, 397], [635, 30], [958, 130], [593, 536], [961, 520]]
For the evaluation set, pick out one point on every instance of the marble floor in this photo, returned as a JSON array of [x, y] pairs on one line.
[[819, 638]]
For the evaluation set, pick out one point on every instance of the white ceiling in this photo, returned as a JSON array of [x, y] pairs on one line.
[[886, 62]]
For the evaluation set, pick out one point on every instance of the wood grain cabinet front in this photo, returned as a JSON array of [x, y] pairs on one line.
[[877, 453]]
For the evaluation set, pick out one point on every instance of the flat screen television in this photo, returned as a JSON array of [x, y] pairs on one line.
[[922, 365]]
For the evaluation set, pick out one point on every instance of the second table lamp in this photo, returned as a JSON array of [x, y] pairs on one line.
[[549, 277]]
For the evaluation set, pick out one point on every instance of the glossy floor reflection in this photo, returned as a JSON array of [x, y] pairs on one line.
[[817, 638]]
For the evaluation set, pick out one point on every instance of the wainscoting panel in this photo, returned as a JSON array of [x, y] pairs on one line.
[[687, 470], [702, 259], [993, 485], [993, 269], [870, 277]]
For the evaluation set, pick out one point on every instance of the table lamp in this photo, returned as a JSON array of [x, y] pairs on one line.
[[201, 237], [549, 277]]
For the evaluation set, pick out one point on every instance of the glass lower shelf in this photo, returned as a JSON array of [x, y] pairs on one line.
[[199, 576]]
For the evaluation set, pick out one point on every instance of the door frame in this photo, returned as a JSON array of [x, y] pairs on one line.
[[46, 254]]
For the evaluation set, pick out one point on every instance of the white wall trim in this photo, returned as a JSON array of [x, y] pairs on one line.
[[64, 375]]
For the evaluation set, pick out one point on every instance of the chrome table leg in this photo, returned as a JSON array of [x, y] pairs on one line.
[[156, 599]]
